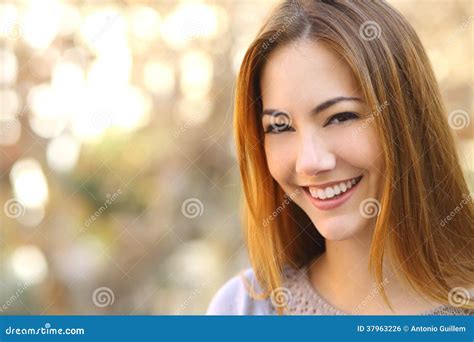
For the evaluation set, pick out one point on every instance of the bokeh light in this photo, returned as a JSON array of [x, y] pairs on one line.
[[112, 115]]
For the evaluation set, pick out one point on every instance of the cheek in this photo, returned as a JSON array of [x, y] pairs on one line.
[[361, 148], [371, 149], [364, 151], [280, 158]]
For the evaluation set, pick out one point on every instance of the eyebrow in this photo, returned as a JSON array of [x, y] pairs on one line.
[[320, 107]]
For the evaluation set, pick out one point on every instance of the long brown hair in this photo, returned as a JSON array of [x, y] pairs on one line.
[[423, 179]]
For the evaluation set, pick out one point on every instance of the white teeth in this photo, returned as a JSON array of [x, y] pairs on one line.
[[329, 192], [321, 194], [332, 191]]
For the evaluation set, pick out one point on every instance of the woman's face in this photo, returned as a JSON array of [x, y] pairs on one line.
[[320, 138]]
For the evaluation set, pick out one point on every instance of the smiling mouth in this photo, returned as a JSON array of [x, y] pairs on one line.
[[337, 195], [333, 192]]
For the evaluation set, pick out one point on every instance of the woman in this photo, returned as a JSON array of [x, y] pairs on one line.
[[349, 170]]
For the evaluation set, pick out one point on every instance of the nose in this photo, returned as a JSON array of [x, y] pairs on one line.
[[314, 156]]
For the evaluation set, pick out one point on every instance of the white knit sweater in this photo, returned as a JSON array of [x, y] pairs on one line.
[[297, 293]]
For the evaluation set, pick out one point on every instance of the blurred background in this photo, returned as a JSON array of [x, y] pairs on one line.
[[119, 188]]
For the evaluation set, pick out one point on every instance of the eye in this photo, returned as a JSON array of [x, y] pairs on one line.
[[277, 128], [280, 122], [341, 117]]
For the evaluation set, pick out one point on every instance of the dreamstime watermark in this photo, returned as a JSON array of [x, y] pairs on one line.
[[462, 27], [370, 207], [196, 292], [459, 119], [11, 29], [13, 209], [376, 112], [459, 296], [46, 330], [281, 207], [288, 22], [101, 120], [280, 297], [280, 121], [370, 30], [375, 291], [194, 29], [103, 296], [181, 129], [466, 199], [108, 22], [7, 125], [192, 208], [110, 199], [13, 298]]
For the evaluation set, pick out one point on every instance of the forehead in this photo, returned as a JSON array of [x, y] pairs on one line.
[[302, 74]]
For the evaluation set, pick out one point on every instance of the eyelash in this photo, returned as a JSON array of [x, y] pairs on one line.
[[270, 129]]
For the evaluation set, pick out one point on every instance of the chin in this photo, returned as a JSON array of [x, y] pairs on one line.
[[335, 233], [338, 228]]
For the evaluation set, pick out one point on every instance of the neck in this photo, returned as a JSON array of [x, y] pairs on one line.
[[347, 261], [343, 277]]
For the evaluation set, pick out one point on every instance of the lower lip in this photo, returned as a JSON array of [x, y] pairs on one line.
[[332, 203]]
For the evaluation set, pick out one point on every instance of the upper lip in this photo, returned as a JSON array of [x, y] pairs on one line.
[[325, 185]]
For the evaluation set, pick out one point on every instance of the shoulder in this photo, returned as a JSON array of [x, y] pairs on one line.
[[237, 297]]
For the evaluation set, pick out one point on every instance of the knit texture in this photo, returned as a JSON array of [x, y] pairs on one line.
[[297, 293]]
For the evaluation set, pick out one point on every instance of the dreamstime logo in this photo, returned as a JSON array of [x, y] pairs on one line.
[[101, 120], [464, 25], [459, 296], [7, 125], [108, 22], [369, 207], [280, 31], [375, 291], [459, 119], [111, 198], [192, 208], [281, 207], [13, 208], [11, 30], [196, 292], [103, 296], [280, 121], [180, 130], [194, 29], [376, 112], [13, 298], [370, 30], [466, 199], [46, 330], [280, 297]]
